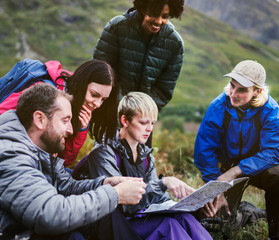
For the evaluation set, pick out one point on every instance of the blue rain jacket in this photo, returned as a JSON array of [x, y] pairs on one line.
[[250, 141]]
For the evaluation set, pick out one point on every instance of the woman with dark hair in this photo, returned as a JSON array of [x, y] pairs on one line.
[[144, 49], [94, 104]]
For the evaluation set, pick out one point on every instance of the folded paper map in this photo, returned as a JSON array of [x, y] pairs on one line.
[[197, 199]]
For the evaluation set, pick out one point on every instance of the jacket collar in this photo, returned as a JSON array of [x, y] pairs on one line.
[[12, 129], [247, 114], [121, 146]]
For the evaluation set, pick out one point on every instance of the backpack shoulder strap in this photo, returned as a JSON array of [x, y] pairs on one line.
[[227, 119], [145, 164], [118, 160], [258, 123], [49, 81]]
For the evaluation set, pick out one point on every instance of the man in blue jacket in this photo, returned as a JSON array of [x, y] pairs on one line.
[[239, 136], [36, 193]]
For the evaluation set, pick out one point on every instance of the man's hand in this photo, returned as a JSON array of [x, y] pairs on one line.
[[130, 191], [113, 181], [179, 188]]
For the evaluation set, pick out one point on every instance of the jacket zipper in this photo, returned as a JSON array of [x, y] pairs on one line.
[[240, 138], [52, 169], [142, 67]]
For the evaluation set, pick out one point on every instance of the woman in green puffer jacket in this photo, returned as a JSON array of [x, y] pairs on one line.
[[144, 49]]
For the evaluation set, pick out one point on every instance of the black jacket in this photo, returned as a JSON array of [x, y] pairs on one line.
[[102, 161], [150, 67]]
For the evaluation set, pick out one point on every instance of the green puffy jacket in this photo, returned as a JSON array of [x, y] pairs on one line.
[[151, 67]]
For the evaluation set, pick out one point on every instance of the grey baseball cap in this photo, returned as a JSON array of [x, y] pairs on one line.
[[248, 73]]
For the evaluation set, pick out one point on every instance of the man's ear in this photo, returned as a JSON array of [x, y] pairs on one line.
[[124, 121], [40, 120]]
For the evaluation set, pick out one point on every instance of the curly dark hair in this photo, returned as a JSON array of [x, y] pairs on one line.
[[156, 6], [104, 119]]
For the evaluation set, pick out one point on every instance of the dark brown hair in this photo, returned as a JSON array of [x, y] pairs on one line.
[[104, 118], [39, 97]]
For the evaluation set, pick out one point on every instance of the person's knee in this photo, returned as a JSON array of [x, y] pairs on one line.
[[267, 180], [273, 173]]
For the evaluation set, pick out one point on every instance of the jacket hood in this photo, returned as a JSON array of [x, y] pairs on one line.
[[15, 138], [118, 144], [247, 114], [12, 129]]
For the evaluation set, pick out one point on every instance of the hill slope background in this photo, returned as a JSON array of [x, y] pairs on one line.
[[68, 31], [256, 19]]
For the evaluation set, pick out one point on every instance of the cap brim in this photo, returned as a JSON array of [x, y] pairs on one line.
[[239, 78]]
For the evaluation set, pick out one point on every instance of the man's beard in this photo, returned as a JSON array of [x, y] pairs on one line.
[[52, 140]]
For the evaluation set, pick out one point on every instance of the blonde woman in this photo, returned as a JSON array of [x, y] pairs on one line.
[[240, 133], [127, 155]]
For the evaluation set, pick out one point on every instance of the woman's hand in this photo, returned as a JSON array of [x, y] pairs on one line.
[[84, 116], [179, 188], [210, 209], [231, 174]]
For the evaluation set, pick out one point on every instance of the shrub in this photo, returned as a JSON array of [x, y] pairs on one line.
[[175, 153], [172, 123], [187, 112]]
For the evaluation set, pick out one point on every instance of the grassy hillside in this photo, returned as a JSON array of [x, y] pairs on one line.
[[52, 29], [256, 19], [211, 50], [67, 30]]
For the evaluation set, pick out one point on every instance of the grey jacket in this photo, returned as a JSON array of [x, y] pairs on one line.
[[150, 67], [37, 192], [102, 161]]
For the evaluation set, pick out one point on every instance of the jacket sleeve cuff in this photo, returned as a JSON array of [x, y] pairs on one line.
[[112, 195], [84, 129], [162, 186]]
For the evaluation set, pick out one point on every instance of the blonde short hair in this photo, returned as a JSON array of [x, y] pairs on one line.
[[137, 102], [257, 101]]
